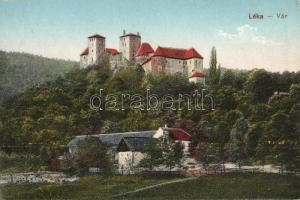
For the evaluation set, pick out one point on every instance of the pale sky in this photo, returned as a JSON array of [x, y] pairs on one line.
[[59, 28]]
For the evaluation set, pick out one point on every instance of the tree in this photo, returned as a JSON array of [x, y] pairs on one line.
[[214, 71], [92, 153], [153, 155], [236, 147], [162, 152], [228, 78], [283, 138], [252, 139], [172, 153], [208, 153], [260, 84]]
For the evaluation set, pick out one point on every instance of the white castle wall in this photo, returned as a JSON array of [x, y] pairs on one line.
[[194, 65], [129, 45], [96, 50], [83, 61], [174, 66]]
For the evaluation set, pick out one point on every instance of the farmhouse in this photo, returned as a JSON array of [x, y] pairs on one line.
[[164, 60], [127, 148]]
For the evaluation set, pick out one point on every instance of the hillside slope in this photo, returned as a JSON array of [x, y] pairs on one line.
[[20, 71]]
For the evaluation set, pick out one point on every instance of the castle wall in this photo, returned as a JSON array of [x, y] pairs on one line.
[[129, 45], [197, 80], [194, 65], [158, 65], [96, 50], [174, 66], [147, 67], [83, 61]]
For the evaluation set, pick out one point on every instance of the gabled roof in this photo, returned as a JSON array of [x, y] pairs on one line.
[[197, 75], [112, 138], [181, 54], [133, 143], [178, 134], [130, 34], [96, 36], [192, 53], [144, 50], [85, 52], [112, 51]]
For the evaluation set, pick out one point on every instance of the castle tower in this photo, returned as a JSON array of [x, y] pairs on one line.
[[96, 46], [129, 45]]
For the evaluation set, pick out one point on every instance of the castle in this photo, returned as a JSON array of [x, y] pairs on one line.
[[164, 60]]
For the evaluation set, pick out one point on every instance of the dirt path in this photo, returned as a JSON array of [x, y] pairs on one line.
[[155, 186]]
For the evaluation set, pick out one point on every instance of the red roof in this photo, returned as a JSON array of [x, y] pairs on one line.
[[182, 54], [192, 53], [85, 52], [111, 51], [198, 75], [96, 36], [146, 61], [144, 50], [178, 134]]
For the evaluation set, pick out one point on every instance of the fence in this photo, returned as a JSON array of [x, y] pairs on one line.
[[207, 171]]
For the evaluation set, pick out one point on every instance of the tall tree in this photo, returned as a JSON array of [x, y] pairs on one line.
[[172, 153], [236, 147], [214, 71]]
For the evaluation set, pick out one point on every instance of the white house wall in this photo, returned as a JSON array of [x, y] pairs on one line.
[[128, 160], [159, 133]]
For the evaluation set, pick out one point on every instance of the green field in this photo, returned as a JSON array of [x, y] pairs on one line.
[[213, 186], [89, 187], [227, 186]]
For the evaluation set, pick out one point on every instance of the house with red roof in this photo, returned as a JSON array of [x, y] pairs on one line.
[[175, 134], [144, 52], [166, 60], [128, 148]]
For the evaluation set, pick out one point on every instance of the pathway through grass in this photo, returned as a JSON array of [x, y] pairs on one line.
[[228, 186], [155, 186]]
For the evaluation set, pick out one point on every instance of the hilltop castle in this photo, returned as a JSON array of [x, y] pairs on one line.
[[163, 60]]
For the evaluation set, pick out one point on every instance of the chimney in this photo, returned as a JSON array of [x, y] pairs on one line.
[[138, 33], [124, 32], [166, 126]]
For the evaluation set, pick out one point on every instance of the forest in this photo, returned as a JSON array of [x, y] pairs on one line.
[[256, 119], [20, 71]]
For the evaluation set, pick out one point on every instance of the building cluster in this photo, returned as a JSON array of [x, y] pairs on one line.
[[127, 148], [163, 60]]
